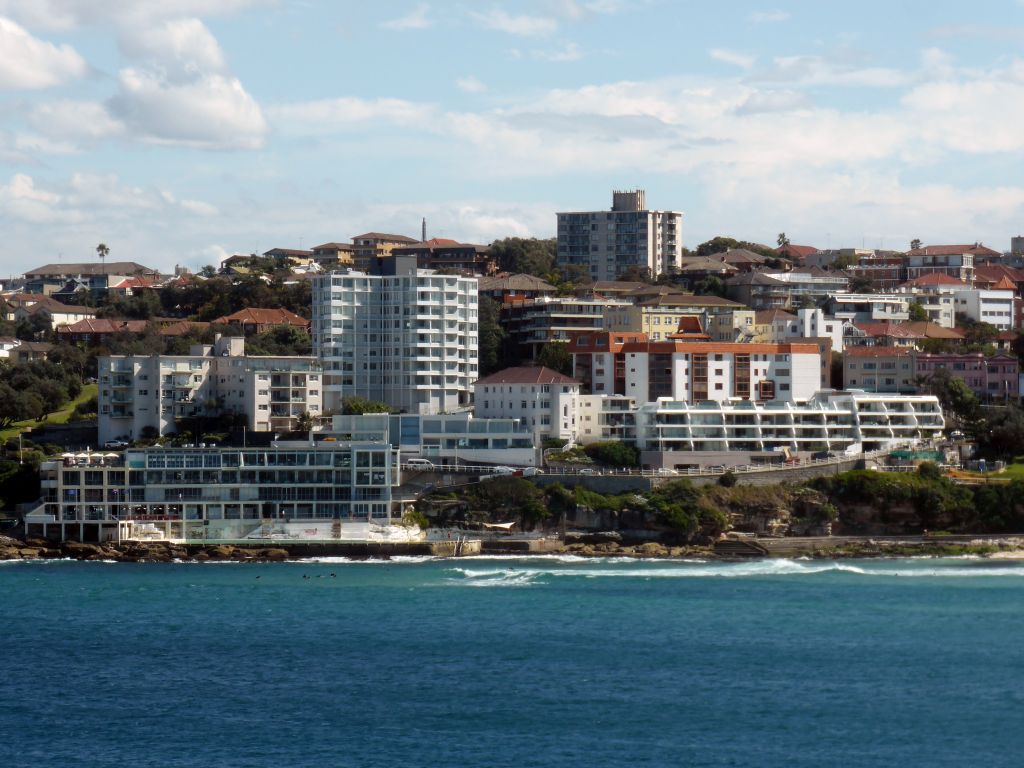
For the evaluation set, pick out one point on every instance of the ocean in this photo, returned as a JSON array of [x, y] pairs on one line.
[[512, 662]]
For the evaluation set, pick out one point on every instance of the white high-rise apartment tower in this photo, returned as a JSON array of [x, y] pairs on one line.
[[607, 243], [399, 335]]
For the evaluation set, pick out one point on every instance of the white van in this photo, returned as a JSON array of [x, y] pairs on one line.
[[415, 463]]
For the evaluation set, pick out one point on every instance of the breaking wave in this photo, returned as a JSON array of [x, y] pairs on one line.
[[528, 575]]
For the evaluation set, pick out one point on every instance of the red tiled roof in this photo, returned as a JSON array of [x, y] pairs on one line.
[[94, 325], [990, 273], [953, 250], [134, 282], [800, 251], [934, 278], [1005, 284], [527, 375], [261, 316]]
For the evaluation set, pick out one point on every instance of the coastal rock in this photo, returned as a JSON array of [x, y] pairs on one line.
[[40, 543], [600, 537], [82, 550], [30, 551], [652, 549], [273, 554], [220, 552], [9, 553]]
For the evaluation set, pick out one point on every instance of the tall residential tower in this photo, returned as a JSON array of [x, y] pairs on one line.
[[399, 335], [607, 243]]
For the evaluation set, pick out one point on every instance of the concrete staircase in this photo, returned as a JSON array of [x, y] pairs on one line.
[[736, 549]]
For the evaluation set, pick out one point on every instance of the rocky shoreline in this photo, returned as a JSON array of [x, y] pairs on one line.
[[156, 552]]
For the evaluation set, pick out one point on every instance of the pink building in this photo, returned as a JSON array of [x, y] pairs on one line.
[[990, 378]]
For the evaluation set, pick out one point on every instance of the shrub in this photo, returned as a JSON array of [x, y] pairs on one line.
[[727, 479]]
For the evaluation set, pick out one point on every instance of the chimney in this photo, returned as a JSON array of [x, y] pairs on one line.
[[423, 235]]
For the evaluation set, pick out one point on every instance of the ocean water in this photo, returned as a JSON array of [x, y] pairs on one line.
[[513, 662]]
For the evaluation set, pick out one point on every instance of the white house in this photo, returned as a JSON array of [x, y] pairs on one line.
[[989, 305], [543, 399]]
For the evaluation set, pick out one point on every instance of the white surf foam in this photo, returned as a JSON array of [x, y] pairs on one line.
[[761, 568]]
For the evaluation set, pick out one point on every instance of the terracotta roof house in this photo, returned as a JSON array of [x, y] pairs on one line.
[[740, 258], [977, 249], [94, 331], [796, 253], [932, 278], [986, 276], [510, 288], [690, 328], [258, 320], [542, 399], [130, 286], [527, 374]]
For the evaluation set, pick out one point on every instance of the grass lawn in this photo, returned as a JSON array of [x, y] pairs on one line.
[[57, 417], [1013, 472]]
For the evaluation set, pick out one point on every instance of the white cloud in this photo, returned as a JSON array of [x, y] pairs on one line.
[[470, 85], [819, 70], [99, 199], [415, 19], [737, 58], [526, 26], [568, 52], [209, 112], [768, 17], [181, 47], [75, 120], [21, 200], [63, 15], [27, 62], [773, 101], [325, 115], [180, 91]]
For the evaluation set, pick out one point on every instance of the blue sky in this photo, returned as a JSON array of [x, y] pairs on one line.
[[181, 131]]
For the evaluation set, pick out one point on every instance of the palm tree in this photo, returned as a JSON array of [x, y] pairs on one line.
[[102, 250]]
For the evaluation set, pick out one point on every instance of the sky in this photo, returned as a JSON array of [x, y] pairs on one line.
[[183, 131]]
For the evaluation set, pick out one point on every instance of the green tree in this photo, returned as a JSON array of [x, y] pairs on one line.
[[861, 284], [492, 336], [528, 256], [556, 356], [636, 274], [304, 423], [717, 244], [806, 301], [915, 244], [782, 240], [845, 261], [918, 312], [360, 405], [711, 286], [956, 397], [613, 453]]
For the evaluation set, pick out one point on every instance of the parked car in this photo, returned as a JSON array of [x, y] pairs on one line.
[[116, 444], [665, 471]]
